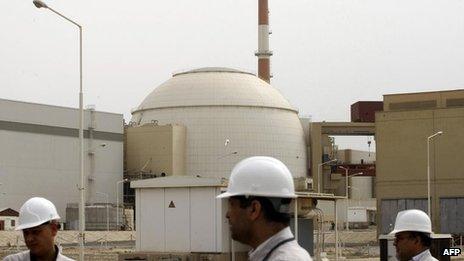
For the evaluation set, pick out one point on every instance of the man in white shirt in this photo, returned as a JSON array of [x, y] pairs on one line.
[[38, 219], [412, 236], [260, 190]]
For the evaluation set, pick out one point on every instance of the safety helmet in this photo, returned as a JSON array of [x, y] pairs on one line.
[[35, 212], [260, 176], [412, 220]]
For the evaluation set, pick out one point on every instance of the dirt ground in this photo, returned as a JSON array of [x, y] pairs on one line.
[[354, 244], [361, 243]]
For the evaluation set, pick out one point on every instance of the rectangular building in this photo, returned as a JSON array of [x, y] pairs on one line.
[[402, 132], [39, 154]]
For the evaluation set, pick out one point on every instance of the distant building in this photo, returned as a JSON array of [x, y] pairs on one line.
[[402, 131], [8, 219], [39, 155], [349, 156]]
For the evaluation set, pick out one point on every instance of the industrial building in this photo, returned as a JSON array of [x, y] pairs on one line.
[[188, 133], [355, 157], [349, 173], [39, 154], [404, 130], [184, 139], [228, 115]]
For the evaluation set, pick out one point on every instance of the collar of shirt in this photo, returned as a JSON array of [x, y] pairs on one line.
[[261, 251], [421, 255]]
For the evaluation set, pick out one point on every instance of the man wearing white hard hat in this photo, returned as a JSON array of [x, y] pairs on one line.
[[259, 193], [38, 220], [412, 236]]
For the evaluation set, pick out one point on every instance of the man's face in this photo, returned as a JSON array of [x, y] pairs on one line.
[[239, 223], [405, 246], [40, 239]]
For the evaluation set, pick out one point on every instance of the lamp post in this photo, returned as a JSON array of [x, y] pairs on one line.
[[429, 138], [346, 194], [40, 4], [107, 215], [319, 173], [117, 202]]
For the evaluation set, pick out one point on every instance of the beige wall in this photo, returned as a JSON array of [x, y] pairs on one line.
[[156, 149], [349, 156], [408, 101], [401, 146]]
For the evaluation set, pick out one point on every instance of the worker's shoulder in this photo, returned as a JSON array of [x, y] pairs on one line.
[[63, 258], [428, 257], [290, 251], [21, 256]]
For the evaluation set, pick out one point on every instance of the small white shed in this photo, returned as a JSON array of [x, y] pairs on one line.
[[357, 215], [181, 214], [361, 217]]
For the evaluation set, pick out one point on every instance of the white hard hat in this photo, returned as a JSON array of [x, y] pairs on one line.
[[36, 211], [260, 176], [412, 220]]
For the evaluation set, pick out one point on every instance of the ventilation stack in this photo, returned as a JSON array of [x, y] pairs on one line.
[[263, 53]]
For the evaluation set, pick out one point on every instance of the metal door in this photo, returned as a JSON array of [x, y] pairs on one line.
[[177, 219]]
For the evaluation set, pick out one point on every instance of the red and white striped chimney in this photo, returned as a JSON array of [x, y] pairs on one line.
[[263, 53]]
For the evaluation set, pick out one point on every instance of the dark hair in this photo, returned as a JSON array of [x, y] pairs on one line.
[[424, 238], [270, 213]]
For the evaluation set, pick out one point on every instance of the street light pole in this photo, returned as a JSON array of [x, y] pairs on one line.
[[40, 4], [107, 215], [319, 174], [117, 202], [346, 195], [429, 138]]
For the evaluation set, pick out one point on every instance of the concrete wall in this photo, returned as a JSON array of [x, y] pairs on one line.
[[401, 140], [39, 154], [424, 100], [156, 149], [251, 131]]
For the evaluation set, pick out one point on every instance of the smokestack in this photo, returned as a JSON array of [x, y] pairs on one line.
[[263, 53]]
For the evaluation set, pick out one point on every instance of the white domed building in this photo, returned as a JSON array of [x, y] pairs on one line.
[[229, 115]]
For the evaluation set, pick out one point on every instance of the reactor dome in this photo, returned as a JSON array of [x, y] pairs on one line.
[[229, 115]]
